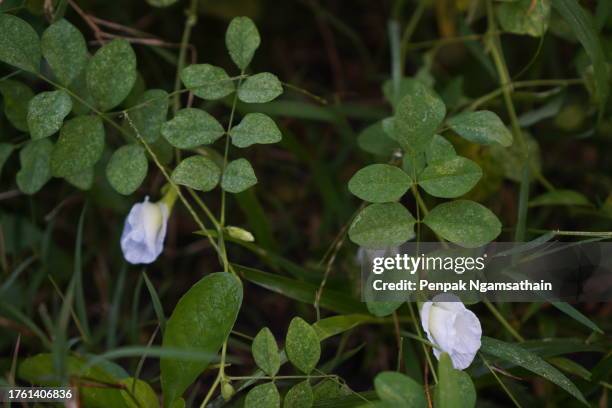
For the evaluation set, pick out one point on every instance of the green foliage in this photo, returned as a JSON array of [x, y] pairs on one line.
[[525, 16], [482, 127], [380, 183], [464, 223], [127, 169], [263, 396], [521, 357], [35, 159], [455, 388], [111, 74], [299, 396], [302, 345], [560, 197], [151, 110], [46, 113], [238, 176], [242, 40], [197, 172], [64, 48], [78, 147], [439, 150], [191, 128], [19, 44], [418, 115], [382, 225], [265, 352], [398, 390], [255, 128], [260, 88], [201, 320], [5, 152], [373, 139], [16, 97], [450, 178], [207, 81]]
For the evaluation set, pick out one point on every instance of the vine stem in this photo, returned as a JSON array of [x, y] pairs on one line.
[[192, 18], [500, 381], [220, 376]]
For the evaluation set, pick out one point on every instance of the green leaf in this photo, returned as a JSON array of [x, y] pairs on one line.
[[207, 81], [263, 396], [238, 176], [576, 315], [450, 178], [463, 222], [583, 26], [197, 172], [399, 390], [525, 16], [382, 225], [161, 3], [414, 163], [46, 113], [302, 345], [382, 309], [521, 357], [265, 352], [19, 43], [560, 197], [331, 326], [242, 40], [149, 114], [140, 391], [191, 128], [417, 117], [375, 140], [451, 384], [255, 128], [202, 320], [16, 96], [380, 183], [64, 48], [260, 88], [35, 170], [80, 146], [299, 396], [439, 149], [83, 179], [5, 152], [127, 169], [482, 127], [111, 74]]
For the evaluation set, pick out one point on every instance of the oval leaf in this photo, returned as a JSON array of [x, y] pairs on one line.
[[265, 352], [560, 197], [35, 159], [202, 320], [417, 117], [525, 16], [380, 183], [302, 345], [111, 74], [482, 127], [299, 396], [439, 149], [375, 140], [450, 178], [149, 114], [46, 113], [255, 128], [19, 43], [382, 225], [207, 81], [191, 128], [79, 146], [452, 383], [260, 88], [16, 97], [197, 172], [127, 169], [463, 222], [238, 176], [399, 390], [64, 48], [242, 40], [263, 396]]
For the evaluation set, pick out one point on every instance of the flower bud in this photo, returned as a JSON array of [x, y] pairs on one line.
[[239, 233], [227, 391]]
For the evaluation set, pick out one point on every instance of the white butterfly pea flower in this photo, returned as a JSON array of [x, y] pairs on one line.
[[144, 231], [452, 328]]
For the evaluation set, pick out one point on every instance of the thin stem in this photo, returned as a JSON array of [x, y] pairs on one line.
[[409, 30], [422, 339], [500, 381], [597, 234], [192, 18], [503, 321]]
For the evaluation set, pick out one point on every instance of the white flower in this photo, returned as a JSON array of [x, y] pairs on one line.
[[452, 328], [144, 232]]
